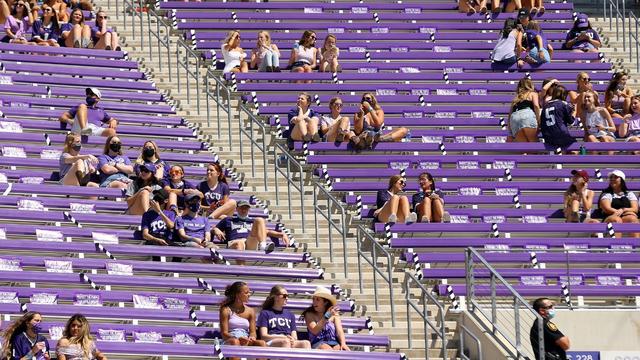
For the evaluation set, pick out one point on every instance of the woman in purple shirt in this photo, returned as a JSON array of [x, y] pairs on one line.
[[114, 168], [102, 35], [18, 23], [75, 33], [46, 31], [277, 325], [215, 193], [22, 339], [393, 207], [323, 322]]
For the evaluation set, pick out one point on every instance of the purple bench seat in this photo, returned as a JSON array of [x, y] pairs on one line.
[[482, 159], [547, 290], [199, 269], [6, 47], [592, 273], [69, 60], [465, 200], [460, 242], [311, 18], [68, 190], [79, 92], [40, 68], [346, 5], [292, 354], [508, 228], [524, 258], [168, 122], [83, 82], [473, 214], [58, 140], [107, 105]]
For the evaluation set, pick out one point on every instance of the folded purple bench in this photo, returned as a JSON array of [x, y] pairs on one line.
[[107, 105], [459, 242], [67, 190], [545, 290], [355, 185], [370, 199], [508, 228], [525, 257], [79, 92], [40, 68], [69, 60], [282, 353], [62, 51], [83, 82], [458, 273]]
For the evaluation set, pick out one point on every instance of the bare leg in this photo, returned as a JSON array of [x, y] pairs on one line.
[[312, 126], [424, 210], [258, 234], [531, 134], [632, 219], [138, 203], [70, 178], [404, 209], [241, 246], [298, 70], [437, 208], [227, 209], [299, 130], [389, 208]]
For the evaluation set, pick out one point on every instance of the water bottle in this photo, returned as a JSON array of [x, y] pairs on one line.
[[583, 150]]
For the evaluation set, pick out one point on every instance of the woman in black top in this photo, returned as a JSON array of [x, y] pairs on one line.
[[617, 204], [393, 207]]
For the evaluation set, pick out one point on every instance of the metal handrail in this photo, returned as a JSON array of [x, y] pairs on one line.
[[475, 307], [619, 18], [189, 55], [465, 331], [282, 155], [633, 35], [162, 41], [221, 89], [410, 284], [364, 240], [262, 145], [341, 227]]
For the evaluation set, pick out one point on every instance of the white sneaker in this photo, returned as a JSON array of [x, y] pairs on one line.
[[393, 218], [411, 218], [446, 217], [86, 131], [425, 219], [268, 247]]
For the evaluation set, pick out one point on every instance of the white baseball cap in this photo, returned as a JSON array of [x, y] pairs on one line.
[[619, 174], [94, 91]]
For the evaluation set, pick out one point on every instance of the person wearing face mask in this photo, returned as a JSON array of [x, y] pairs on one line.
[[114, 167], [76, 169], [157, 224], [151, 154], [88, 118], [193, 230], [23, 339], [139, 191], [555, 342], [241, 232]]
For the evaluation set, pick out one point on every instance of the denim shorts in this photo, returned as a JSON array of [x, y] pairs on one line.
[[331, 343], [238, 333]]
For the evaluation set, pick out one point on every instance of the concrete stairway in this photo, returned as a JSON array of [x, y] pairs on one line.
[[304, 231], [614, 49]]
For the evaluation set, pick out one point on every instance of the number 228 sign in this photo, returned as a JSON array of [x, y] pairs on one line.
[[583, 355]]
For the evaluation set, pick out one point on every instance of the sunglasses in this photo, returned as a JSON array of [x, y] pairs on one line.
[[210, 170], [286, 296], [586, 79], [548, 307], [116, 143], [103, 17], [312, 37], [367, 99], [20, 4], [338, 105], [45, 9], [175, 172]]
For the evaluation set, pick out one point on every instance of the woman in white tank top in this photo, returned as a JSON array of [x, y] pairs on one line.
[[598, 126], [233, 54], [304, 54]]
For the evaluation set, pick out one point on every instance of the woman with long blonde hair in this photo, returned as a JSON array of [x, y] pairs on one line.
[[524, 114], [265, 56], [234, 56], [23, 339], [583, 82], [76, 342]]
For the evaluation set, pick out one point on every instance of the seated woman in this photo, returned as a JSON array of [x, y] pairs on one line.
[[597, 123], [151, 154], [234, 56], [581, 37], [617, 98], [23, 339], [304, 54], [539, 51], [104, 37], [303, 121], [509, 5], [504, 53], [277, 325], [75, 33], [545, 94], [60, 8], [369, 121], [324, 323], [139, 191], [630, 127], [524, 114], [265, 56], [177, 187], [76, 169], [335, 127], [237, 319], [472, 6], [46, 31], [329, 55], [193, 230], [617, 204], [76, 342], [17, 23], [583, 82], [391, 207], [555, 119], [578, 199], [157, 223], [428, 203], [114, 167], [215, 193]]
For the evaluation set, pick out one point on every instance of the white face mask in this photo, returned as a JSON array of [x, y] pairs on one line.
[[551, 313]]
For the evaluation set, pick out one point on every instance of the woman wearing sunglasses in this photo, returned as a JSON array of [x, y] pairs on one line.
[[277, 325], [583, 84], [178, 188], [335, 126], [393, 207], [103, 36]]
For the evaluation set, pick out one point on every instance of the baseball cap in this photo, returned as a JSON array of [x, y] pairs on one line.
[[192, 196], [93, 91], [148, 167], [582, 21], [524, 12], [581, 173], [619, 174], [160, 195], [242, 203]]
